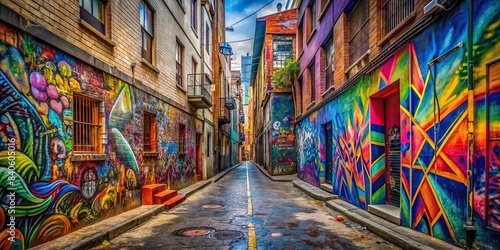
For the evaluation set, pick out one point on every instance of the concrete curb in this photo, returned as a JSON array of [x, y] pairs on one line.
[[314, 192], [188, 191], [280, 178], [219, 176], [401, 236]]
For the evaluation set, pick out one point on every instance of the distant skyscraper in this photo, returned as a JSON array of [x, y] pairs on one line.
[[246, 67]]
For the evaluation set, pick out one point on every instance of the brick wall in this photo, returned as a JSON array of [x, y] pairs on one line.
[[122, 44]]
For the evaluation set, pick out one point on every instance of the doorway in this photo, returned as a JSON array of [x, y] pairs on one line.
[[198, 157], [328, 148], [392, 148]]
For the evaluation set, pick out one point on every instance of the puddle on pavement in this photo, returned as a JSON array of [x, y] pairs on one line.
[[212, 206], [227, 235]]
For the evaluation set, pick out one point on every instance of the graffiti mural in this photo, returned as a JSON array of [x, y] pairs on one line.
[[433, 123], [282, 135], [53, 189]]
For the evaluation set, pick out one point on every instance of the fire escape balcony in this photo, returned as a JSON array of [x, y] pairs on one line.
[[198, 91], [226, 104]]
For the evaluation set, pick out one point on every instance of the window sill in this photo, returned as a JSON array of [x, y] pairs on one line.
[[194, 30], [300, 55], [311, 36], [400, 26], [324, 10], [84, 156], [181, 88], [150, 66], [97, 33], [181, 5], [327, 91], [150, 154], [310, 105], [357, 61]]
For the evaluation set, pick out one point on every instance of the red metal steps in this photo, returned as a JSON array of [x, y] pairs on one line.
[[159, 194], [148, 192], [174, 201], [164, 196]]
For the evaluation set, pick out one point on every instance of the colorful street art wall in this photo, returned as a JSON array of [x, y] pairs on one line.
[[282, 135], [433, 130], [55, 191]]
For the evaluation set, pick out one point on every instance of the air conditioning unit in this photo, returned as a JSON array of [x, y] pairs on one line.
[[433, 6]]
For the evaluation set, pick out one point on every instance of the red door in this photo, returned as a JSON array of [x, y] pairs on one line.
[[392, 148]]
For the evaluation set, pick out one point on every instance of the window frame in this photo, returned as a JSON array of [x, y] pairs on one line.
[[312, 80], [194, 14], [83, 106], [147, 32], [207, 38], [149, 119], [90, 18], [179, 60], [282, 40], [399, 13], [356, 53], [329, 66], [313, 16]]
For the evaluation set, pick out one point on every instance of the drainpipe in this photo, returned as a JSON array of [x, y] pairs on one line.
[[470, 230]]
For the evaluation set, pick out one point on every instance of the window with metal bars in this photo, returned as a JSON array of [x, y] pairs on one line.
[[394, 12], [149, 132], [147, 31], [182, 139], [492, 199], [358, 19], [178, 59], [87, 124]]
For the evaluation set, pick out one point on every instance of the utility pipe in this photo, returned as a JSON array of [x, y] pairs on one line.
[[470, 230]]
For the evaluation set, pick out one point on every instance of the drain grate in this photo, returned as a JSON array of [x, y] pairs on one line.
[[212, 206], [227, 235], [193, 231]]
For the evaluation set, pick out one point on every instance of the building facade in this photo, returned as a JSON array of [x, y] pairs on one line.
[[246, 68], [393, 114], [272, 107], [98, 101]]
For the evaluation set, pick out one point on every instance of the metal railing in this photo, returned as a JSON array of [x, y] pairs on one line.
[[199, 85]]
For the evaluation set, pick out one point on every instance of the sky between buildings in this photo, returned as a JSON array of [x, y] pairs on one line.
[[237, 10]]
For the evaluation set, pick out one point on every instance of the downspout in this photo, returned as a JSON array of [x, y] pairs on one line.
[[470, 230]]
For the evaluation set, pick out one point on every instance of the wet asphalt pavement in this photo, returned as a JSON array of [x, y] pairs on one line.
[[228, 215]]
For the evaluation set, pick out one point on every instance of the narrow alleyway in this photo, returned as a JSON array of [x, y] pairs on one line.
[[226, 215]]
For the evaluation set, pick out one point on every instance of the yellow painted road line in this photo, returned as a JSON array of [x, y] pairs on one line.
[[252, 236]]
